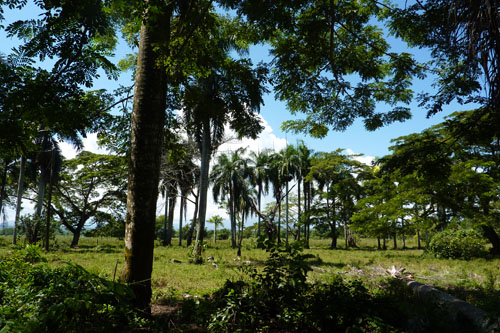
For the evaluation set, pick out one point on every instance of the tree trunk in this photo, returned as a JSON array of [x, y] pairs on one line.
[[378, 243], [492, 236], [189, 236], [286, 214], [204, 180], [395, 236], [2, 189], [165, 218], [298, 208], [418, 239], [20, 190], [148, 119], [232, 218], [240, 234], [49, 202], [170, 224], [279, 222], [180, 219], [76, 238], [259, 197]]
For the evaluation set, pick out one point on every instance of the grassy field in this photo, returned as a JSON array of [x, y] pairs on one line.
[[477, 281]]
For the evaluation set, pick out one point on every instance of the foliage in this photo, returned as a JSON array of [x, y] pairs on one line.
[[281, 298], [37, 298], [458, 244]]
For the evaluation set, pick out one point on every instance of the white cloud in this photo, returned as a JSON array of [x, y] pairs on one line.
[[89, 144], [368, 160]]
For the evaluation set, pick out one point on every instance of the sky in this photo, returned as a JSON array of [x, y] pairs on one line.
[[355, 140]]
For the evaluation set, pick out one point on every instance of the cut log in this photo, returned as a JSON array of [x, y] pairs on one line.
[[461, 314]]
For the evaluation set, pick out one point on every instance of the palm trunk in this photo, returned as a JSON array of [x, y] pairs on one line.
[[170, 225], [148, 119], [49, 202], [286, 214], [20, 190], [259, 197], [279, 221], [232, 218], [204, 179], [165, 218], [183, 202], [189, 236], [240, 234], [298, 208], [2, 189]]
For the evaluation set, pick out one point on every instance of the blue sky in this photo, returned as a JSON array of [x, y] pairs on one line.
[[355, 139]]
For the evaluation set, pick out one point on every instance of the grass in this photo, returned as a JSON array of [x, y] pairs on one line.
[[477, 281]]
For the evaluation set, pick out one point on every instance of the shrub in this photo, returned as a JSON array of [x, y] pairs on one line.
[[458, 244], [281, 299], [37, 298]]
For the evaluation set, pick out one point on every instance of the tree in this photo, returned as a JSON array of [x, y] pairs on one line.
[[231, 94], [338, 179], [318, 47], [148, 117], [89, 185], [217, 221], [260, 176], [228, 177]]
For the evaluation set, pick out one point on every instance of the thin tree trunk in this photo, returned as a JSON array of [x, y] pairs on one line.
[[215, 232], [279, 222], [20, 190], [240, 234], [170, 225], [378, 243], [395, 236], [298, 208], [286, 214], [232, 218], [418, 239], [259, 197], [189, 237], [165, 217], [49, 202], [183, 201], [204, 179], [147, 125], [2, 189]]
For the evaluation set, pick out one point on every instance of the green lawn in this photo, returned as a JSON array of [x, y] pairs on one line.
[[475, 280]]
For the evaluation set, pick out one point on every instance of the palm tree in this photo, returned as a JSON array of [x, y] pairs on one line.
[[260, 177], [217, 221], [230, 95], [228, 177]]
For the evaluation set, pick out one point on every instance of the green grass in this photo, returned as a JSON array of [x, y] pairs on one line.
[[475, 280]]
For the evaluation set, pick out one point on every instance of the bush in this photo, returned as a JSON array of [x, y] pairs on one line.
[[458, 244], [281, 299], [37, 298]]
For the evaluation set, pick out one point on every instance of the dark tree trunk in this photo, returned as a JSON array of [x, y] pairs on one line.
[[298, 208], [418, 240], [395, 238], [259, 197], [492, 236], [279, 222], [232, 218], [165, 219], [378, 243], [170, 225], [76, 238], [180, 219], [286, 214], [204, 179], [4, 182], [20, 190], [147, 127], [189, 236]]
